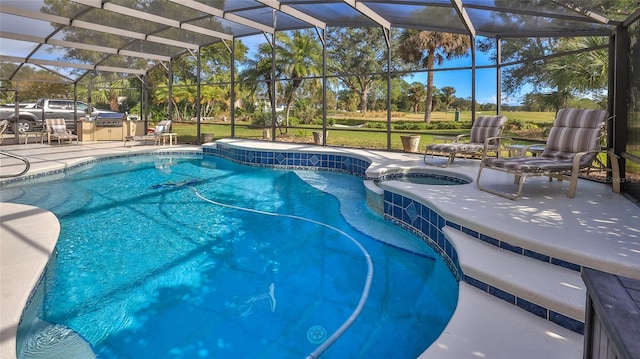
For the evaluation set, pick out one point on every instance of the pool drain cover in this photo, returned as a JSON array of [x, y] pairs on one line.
[[316, 334]]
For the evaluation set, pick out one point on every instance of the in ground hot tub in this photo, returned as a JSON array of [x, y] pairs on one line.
[[425, 178]]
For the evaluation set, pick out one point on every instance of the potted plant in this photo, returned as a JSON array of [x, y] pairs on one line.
[[410, 143]]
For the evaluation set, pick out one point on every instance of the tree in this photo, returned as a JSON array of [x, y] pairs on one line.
[[358, 59], [215, 75], [447, 96], [41, 83], [576, 72], [110, 92], [533, 102], [356, 55], [347, 100], [580, 72], [557, 99], [417, 95], [298, 57], [256, 79], [426, 48]]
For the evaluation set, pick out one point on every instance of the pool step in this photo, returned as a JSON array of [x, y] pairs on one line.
[[489, 321], [552, 292], [484, 326]]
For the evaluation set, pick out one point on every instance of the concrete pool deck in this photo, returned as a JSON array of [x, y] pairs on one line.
[[597, 229]]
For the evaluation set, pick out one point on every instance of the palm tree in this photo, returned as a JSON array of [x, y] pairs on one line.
[[256, 77], [105, 91], [582, 72], [425, 48], [299, 56], [577, 72], [557, 99]]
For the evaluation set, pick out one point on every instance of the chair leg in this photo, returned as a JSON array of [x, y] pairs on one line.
[[615, 171], [520, 186], [520, 182], [426, 153], [573, 178], [573, 184], [449, 160]]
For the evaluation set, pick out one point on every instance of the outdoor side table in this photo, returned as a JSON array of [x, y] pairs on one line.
[[173, 137], [26, 136]]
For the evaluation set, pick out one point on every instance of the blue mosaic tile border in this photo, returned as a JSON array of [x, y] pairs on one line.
[[330, 162], [537, 310], [423, 222], [516, 249], [427, 224], [402, 211]]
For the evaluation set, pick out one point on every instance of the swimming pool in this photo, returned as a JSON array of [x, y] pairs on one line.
[[157, 258]]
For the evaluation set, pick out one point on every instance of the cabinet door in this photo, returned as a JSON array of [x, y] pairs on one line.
[[116, 134]]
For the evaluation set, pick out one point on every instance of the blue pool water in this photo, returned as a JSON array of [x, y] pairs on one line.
[[192, 256]]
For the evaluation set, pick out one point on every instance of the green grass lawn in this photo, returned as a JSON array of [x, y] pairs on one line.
[[530, 116], [357, 138], [336, 137]]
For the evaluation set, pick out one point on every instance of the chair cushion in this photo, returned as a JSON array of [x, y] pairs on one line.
[[485, 127], [573, 131], [534, 165], [455, 147], [59, 129], [66, 136], [158, 130]]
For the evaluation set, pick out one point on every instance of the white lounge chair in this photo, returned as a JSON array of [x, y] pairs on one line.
[[56, 129]]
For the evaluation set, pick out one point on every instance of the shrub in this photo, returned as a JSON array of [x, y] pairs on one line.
[[410, 126], [305, 112], [260, 118], [376, 124], [449, 125]]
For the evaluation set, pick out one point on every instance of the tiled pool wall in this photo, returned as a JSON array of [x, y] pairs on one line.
[[320, 161], [416, 217]]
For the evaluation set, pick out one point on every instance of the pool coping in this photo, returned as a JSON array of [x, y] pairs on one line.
[[35, 245]]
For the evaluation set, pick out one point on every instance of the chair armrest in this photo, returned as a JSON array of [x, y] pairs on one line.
[[499, 138], [615, 168], [489, 139], [459, 137]]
